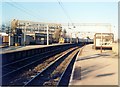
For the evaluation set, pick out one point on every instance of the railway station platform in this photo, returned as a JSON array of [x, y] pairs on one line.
[[12, 54], [22, 48], [95, 68]]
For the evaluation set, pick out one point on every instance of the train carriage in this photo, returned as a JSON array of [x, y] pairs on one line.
[[61, 40]]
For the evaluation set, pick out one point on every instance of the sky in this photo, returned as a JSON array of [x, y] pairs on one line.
[[105, 12], [72, 12]]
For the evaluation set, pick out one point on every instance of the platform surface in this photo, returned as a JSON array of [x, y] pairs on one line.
[[20, 48], [95, 68]]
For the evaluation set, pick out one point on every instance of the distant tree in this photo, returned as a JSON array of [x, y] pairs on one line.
[[88, 37], [14, 25], [64, 33], [4, 27], [57, 34]]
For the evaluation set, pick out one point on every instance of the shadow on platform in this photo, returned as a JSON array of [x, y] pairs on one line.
[[92, 56]]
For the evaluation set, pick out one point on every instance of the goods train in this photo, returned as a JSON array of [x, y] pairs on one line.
[[61, 40], [74, 40]]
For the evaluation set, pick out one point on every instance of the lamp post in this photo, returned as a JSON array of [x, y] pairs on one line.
[[71, 38], [25, 31], [101, 43], [9, 33], [77, 39], [47, 35], [24, 34], [71, 33]]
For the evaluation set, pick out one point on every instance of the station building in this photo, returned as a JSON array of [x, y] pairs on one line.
[[35, 32]]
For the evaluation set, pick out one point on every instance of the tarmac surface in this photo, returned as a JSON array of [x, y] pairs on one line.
[[95, 68]]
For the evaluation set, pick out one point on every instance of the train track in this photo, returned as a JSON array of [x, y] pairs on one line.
[[55, 72], [13, 69], [7, 76], [14, 65]]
